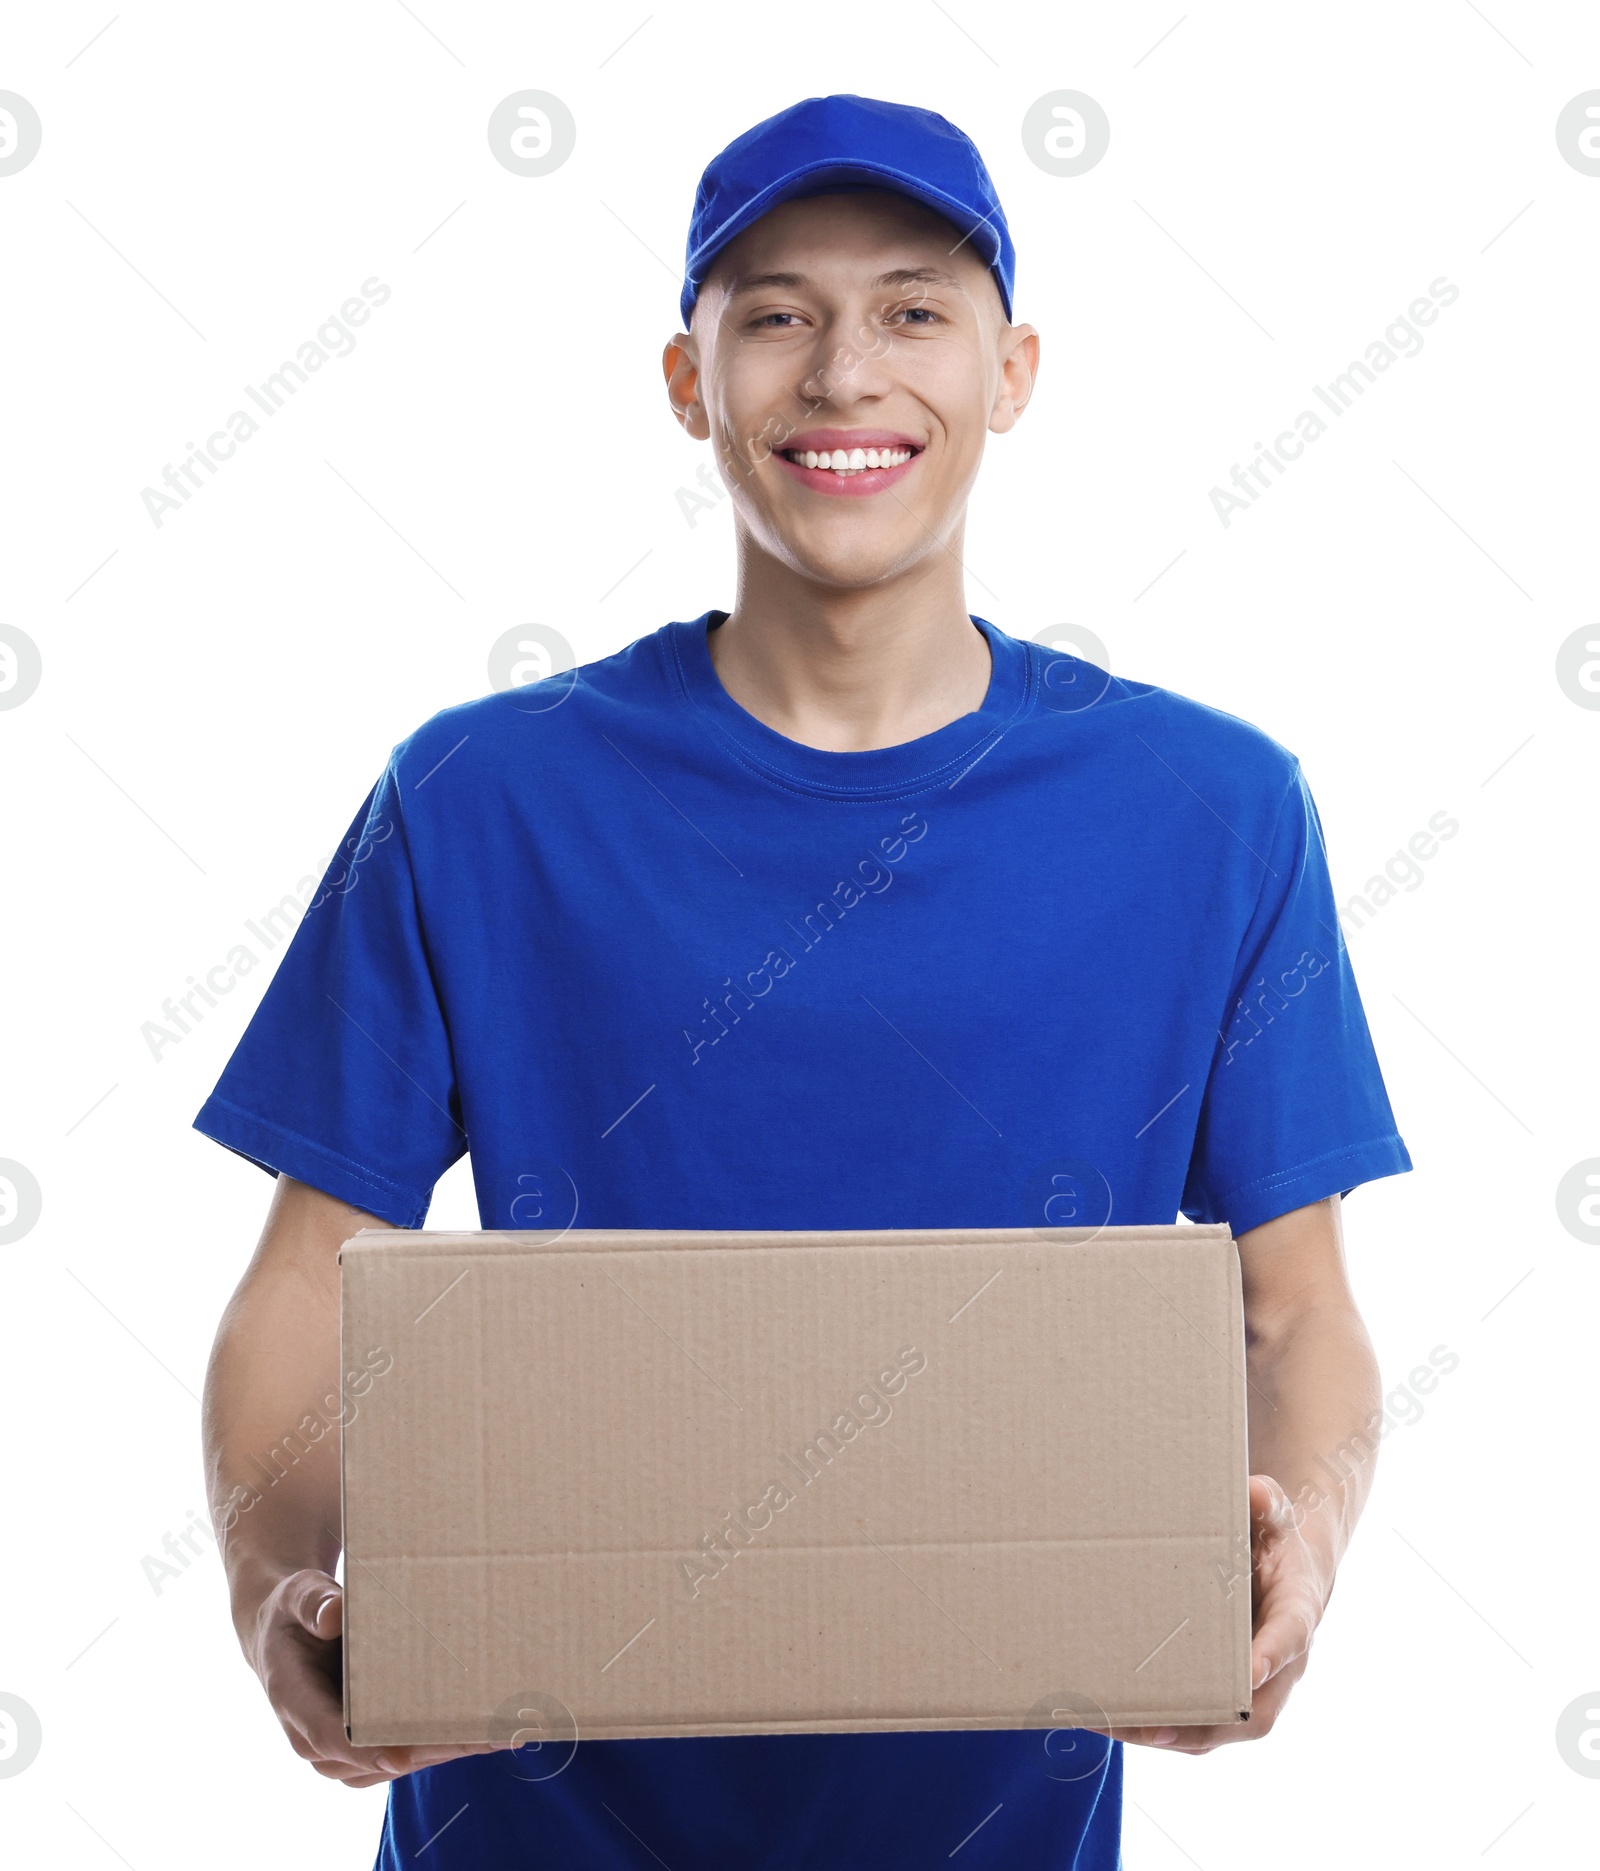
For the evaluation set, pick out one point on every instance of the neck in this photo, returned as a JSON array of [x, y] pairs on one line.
[[850, 670]]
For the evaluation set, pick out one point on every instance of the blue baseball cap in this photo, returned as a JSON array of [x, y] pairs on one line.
[[824, 144]]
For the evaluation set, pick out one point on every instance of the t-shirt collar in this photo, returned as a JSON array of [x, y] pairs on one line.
[[873, 772]]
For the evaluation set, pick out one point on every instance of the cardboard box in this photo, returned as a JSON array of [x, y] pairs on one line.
[[625, 1484]]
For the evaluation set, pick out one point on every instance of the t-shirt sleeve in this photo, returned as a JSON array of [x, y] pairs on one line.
[[344, 1077], [1295, 1107]]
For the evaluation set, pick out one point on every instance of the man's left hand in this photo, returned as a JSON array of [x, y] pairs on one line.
[[1291, 1582]]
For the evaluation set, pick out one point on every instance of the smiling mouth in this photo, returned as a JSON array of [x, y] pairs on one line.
[[847, 461]]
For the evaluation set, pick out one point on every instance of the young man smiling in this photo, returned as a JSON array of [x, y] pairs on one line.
[[842, 909]]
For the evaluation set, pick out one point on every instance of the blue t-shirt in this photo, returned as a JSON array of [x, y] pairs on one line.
[[1071, 958]]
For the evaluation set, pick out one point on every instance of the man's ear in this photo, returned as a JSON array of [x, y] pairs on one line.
[[1019, 369], [680, 365]]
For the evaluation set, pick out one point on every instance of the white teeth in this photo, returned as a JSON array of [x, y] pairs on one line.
[[853, 461]]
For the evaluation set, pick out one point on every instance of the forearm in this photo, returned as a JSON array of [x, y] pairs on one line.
[[274, 1402], [273, 1408], [1314, 1391], [272, 1463]]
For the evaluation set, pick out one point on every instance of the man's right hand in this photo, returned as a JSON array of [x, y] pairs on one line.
[[292, 1641], [276, 1358]]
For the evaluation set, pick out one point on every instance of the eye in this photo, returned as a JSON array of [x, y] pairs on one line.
[[765, 318], [919, 314]]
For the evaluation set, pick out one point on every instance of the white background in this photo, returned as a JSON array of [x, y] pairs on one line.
[[218, 694]]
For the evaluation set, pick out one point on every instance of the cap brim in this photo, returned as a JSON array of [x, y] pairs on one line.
[[815, 179]]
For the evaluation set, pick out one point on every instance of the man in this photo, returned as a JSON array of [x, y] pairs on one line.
[[842, 909]]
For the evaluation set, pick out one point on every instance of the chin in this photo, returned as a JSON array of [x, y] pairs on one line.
[[852, 571], [850, 563]]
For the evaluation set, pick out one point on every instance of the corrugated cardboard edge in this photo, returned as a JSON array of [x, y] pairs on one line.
[[344, 1649], [424, 1244]]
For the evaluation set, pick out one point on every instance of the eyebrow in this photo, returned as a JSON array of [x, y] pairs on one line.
[[897, 276]]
